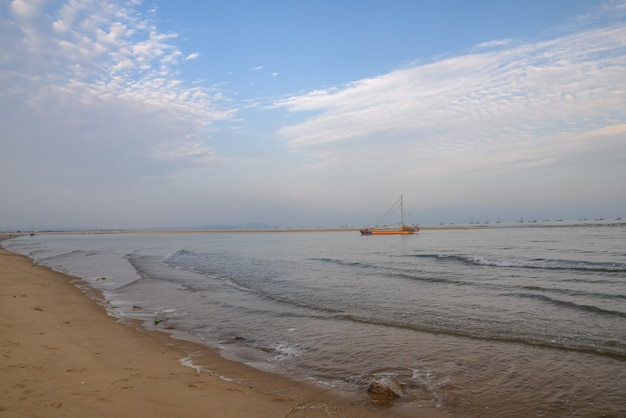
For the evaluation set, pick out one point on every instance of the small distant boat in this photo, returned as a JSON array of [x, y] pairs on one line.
[[402, 229]]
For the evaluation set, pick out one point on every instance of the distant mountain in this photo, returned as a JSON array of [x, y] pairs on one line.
[[216, 227]]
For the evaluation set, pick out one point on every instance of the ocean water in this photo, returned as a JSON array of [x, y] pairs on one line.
[[516, 321]]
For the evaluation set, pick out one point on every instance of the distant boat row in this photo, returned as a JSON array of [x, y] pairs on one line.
[[403, 229]]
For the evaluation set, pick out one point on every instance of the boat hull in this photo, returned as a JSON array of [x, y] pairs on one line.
[[393, 232], [389, 232]]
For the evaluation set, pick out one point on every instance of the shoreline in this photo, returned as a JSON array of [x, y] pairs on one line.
[[8, 235], [63, 355]]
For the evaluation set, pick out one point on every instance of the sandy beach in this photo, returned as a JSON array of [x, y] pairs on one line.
[[63, 356]]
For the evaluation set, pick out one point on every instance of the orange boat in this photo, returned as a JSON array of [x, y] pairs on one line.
[[387, 230]]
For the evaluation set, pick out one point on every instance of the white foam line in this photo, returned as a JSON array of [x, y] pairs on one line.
[[188, 363]]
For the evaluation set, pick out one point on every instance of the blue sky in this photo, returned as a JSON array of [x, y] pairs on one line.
[[124, 114]]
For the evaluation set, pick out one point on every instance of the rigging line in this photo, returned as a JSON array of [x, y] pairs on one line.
[[388, 213]]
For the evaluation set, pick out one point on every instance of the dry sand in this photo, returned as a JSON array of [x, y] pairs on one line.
[[63, 356]]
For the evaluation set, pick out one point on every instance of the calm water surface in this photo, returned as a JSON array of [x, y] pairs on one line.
[[506, 321]]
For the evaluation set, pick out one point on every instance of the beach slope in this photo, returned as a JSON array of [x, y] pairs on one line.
[[63, 356]]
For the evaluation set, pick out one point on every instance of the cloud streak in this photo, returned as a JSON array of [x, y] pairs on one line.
[[490, 102], [86, 63]]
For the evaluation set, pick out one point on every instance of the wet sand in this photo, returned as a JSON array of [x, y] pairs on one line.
[[63, 356]]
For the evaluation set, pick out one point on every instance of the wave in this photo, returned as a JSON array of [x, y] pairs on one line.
[[568, 304], [572, 292], [177, 257], [538, 263], [144, 267], [394, 272], [228, 270], [400, 273], [193, 262], [339, 262], [610, 349], [189, 261], [438, 279], [60, 256], [504, 287]]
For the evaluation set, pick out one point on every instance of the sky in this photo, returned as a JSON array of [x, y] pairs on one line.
[[147, 114]]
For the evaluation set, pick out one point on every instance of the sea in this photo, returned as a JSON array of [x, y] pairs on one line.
[[508, 320]]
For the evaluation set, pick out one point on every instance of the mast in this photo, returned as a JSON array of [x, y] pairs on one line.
[[401, 212]]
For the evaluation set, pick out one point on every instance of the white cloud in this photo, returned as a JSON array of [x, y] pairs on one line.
[[193, 150], [25, 9], [480, 103], [494, 44], [89, 61]]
